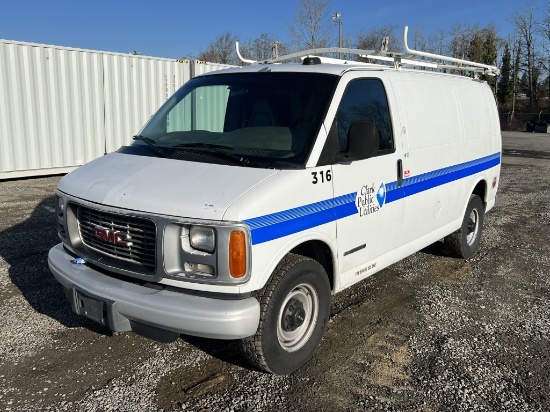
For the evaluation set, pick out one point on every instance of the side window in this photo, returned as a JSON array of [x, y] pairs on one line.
[[365, 100]]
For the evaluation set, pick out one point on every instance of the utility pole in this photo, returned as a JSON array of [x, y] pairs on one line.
[[336, 18]]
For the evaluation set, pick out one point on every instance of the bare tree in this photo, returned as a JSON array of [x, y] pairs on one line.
[[515, 76], [544, 29], [460, 41], [525, 23], [221, 50], [262, 48], [312, 24], [420, 41], [372, 39], [438, 42]]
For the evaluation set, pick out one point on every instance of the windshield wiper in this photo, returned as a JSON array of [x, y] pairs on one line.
[[151, 143], [204, 145], [216, 149]]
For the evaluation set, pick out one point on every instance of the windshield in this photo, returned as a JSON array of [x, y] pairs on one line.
[[259, 119]]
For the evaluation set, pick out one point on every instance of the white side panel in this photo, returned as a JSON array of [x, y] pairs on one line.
[[446, 122], [480, 119], [135, 87], [51, 108], [431, 120]]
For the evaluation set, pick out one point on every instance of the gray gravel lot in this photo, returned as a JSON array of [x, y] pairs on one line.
[[430, 333]]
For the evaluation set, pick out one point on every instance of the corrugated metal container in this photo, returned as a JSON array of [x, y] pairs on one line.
[[62, 107], [199, 67], [135, 87], [51, 108]]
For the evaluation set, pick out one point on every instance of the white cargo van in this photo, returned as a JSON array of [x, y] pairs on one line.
[[255, 193]]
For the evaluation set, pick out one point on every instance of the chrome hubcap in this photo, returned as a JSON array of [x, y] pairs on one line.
[[473, 227]]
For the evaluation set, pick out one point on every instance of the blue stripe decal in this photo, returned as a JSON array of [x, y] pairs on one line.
[[287, 222]]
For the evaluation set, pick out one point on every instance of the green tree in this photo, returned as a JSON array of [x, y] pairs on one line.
[[505, 86], [477, 44], [490, 50]]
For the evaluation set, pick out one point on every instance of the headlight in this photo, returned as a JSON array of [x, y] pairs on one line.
[[202, 238]]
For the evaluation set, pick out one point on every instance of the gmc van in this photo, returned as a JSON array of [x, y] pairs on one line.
[[257, 192]]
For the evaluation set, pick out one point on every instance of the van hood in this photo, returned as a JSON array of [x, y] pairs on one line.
[[162, 186]]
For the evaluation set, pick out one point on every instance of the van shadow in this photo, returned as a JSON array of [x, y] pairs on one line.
[[437, 249], [25, 248], [225, 350]]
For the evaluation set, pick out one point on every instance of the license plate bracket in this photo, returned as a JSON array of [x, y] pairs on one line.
[[101, 310], [91, 308]]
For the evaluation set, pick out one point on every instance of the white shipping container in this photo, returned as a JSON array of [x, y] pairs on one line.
[[199, 67], [62, 107], [135, 87]]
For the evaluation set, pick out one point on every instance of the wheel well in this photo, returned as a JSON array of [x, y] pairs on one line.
[[320, 252], [481, 191]]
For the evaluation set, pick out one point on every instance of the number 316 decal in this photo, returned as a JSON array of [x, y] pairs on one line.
[[322, 176]]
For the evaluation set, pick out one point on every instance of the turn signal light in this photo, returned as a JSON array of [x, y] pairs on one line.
[[237, 254]]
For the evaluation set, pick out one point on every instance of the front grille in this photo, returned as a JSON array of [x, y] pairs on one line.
[[122, 237]]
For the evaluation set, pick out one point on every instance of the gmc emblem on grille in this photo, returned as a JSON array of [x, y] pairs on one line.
[[112, 236]]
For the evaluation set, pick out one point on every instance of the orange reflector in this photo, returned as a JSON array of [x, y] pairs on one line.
[[237, 254]]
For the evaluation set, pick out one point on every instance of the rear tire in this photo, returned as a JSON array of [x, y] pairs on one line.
[[465, 241], [294, 311]]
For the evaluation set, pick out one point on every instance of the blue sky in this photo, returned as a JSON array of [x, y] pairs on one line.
[[180, 28]]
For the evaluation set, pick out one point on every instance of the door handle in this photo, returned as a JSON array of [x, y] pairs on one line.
[[399, 172]]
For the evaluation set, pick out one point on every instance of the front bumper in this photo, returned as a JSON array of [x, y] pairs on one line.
[[123, 306]]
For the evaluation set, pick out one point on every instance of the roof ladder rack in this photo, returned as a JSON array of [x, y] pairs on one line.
[[399, 59], [470, 66]]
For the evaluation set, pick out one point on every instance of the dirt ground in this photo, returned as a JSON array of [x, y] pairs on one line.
[[430, 333]]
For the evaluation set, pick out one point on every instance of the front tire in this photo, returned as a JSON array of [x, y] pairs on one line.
[[465, 241], [295, 307]]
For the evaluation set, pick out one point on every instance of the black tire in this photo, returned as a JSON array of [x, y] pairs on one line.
[[295, 307], [465, 241]]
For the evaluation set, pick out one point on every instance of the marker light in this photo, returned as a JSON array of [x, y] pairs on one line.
[[237, 254], [60, 206]]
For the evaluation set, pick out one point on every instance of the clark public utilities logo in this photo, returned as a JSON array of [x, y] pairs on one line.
[[369, 200]]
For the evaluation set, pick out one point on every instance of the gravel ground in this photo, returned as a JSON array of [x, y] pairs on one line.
[[431, 333]]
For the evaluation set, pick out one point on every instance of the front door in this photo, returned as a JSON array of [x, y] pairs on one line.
[[368, 220]]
